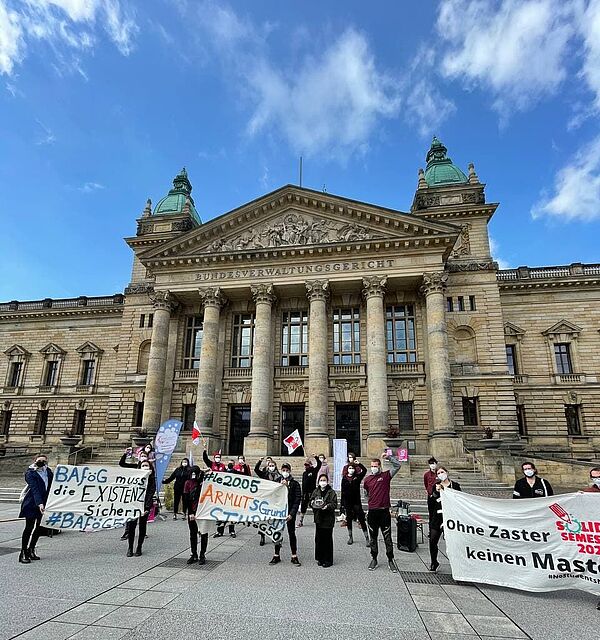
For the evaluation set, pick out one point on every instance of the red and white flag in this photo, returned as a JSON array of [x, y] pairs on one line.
[[293, 441], [196, 434]]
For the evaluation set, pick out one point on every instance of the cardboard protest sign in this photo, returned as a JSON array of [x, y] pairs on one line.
[[546, 544], [231, 497], [92, 498]]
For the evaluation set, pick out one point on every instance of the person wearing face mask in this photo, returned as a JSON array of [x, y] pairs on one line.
[[309, 484], [221, 525], [324, 469], [142, 521], [323, 502], [38, 478], [241, 467], [215, 464], [191, 489], [294, 498], [267, 473], [377, 485], [128, 461], [436, 522], [531, 485], [430, 480], [180, 475], [351, 502], [148, 451], [352, 459]]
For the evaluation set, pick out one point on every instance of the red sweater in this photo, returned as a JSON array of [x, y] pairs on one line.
[[377, 487], [593, 489], [429, 480]]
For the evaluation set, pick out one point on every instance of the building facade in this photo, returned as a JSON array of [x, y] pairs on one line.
[[309, 311]]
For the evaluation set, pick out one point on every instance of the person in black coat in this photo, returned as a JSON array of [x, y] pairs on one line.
[[436, 522], [180, 475], [351, 501], [39, 479], [294, 499], [323, 502], [531, 485], [309, 484], [142, 521]]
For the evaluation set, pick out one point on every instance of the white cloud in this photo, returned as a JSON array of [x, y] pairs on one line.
[[576, 192], [590, 30], [88, 187], [68, 26], [495, 251], [47, 137], [517, 49]]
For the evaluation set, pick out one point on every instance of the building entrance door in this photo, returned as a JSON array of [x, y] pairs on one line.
[[292, 418], [239, 428], [347, 425]]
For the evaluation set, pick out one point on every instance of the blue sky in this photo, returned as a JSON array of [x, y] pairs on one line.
[[103, 101]]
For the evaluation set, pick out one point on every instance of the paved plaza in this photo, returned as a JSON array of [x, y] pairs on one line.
[[84, 587]]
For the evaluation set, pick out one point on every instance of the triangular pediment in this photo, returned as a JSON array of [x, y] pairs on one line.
[[17, 350], [511, 329], [88, 347], [52, 349], [563, 326], [297, 217]]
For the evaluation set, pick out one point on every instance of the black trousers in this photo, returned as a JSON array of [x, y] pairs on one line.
[[380, 519], [324, 545], [355, 512], [304, 502], [143, 522], [291, 529], [434, 540], [221, 528], [193, 526], [31, 533], [178, 497]]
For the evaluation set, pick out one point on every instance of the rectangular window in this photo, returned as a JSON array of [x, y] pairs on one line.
[[562, 354], [294, 339], [51, 376], [14, 377], [470, 412], [400, 333], [79, 421], [449, 304], [187, 416], [472, 306], [150, 320], [573, 418], [511, 359], [405, 416], [461, 303], [346, 336], [193, 342], [243, 340], [521, 420], [5, 422], [142, 320], [138, 414], [41, 422], [87, 373]]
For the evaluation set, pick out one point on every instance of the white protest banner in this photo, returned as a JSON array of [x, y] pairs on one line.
[[91, 498], [546, 544], [232, 497], [340, 458]]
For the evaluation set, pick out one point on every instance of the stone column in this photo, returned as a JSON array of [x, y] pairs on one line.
[[259, 440], [444, 442], [317, 436], [374, 292], [163, 304], [212, 302]]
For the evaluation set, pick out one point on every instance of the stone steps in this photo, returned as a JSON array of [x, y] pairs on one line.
[[9, 494]]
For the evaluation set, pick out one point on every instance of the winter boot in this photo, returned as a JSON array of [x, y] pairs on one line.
[[350, 538]]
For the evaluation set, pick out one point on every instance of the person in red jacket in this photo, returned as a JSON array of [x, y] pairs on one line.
[[241, 467], [215, 464]]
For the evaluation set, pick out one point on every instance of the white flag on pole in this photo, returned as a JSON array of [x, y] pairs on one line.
[[293, 441]]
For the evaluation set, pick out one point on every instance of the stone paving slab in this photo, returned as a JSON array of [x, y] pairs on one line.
[[435, 603], [117, 596], [100, 633], [443, 623], [497, 625], [86, 613], [125, 617], [52, 631], [153, 599]]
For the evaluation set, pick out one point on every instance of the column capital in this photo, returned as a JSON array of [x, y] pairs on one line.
[[317, 289], [263, 293], [434, 282], [163, 300], [374, 286], [212, 297]]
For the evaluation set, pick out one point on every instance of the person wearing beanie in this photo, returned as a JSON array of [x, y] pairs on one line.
[[294, 499], [309, 484]]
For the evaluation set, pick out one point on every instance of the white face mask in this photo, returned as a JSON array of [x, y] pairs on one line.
[[147, 449], [374, 470], [184, 464], [271, 468], [433, 467], [350, 472], [442, 477], [193, 476], [322, 484], [529, 473], [350, 459], [596, 481], [145, 468], [240, 460], [285, 474], [322, 459], [217, 459]]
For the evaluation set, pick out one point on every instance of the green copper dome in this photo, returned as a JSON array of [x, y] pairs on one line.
[[440, 169], [174, 201]]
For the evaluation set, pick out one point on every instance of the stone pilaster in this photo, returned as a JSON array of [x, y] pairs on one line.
[[317, 435], [212, 302], [163, 304], [444, 442], [374, 292], [259, 440]]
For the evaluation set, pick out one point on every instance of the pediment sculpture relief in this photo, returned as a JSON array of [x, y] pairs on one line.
[[292, 230]]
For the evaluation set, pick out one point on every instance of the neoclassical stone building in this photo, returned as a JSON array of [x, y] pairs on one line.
[[305, 310]]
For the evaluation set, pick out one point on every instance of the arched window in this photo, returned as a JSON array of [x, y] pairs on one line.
[[464, 346], [143, 357]]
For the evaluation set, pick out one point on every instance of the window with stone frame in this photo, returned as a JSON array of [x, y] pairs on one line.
[[294, 338], [138, 414], [53, 356], [511, 359], [88, 372], [188, 414], [522, 420], [562, 357], [346, 336], [15, 370], [41, 422], [400, 333], [50, 378], [406, 416], [5, 420], [242, 343], [573, 419], [562, 340], [17, 360], [143, 357], [193, 342], [470, 409], [79, 418]]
